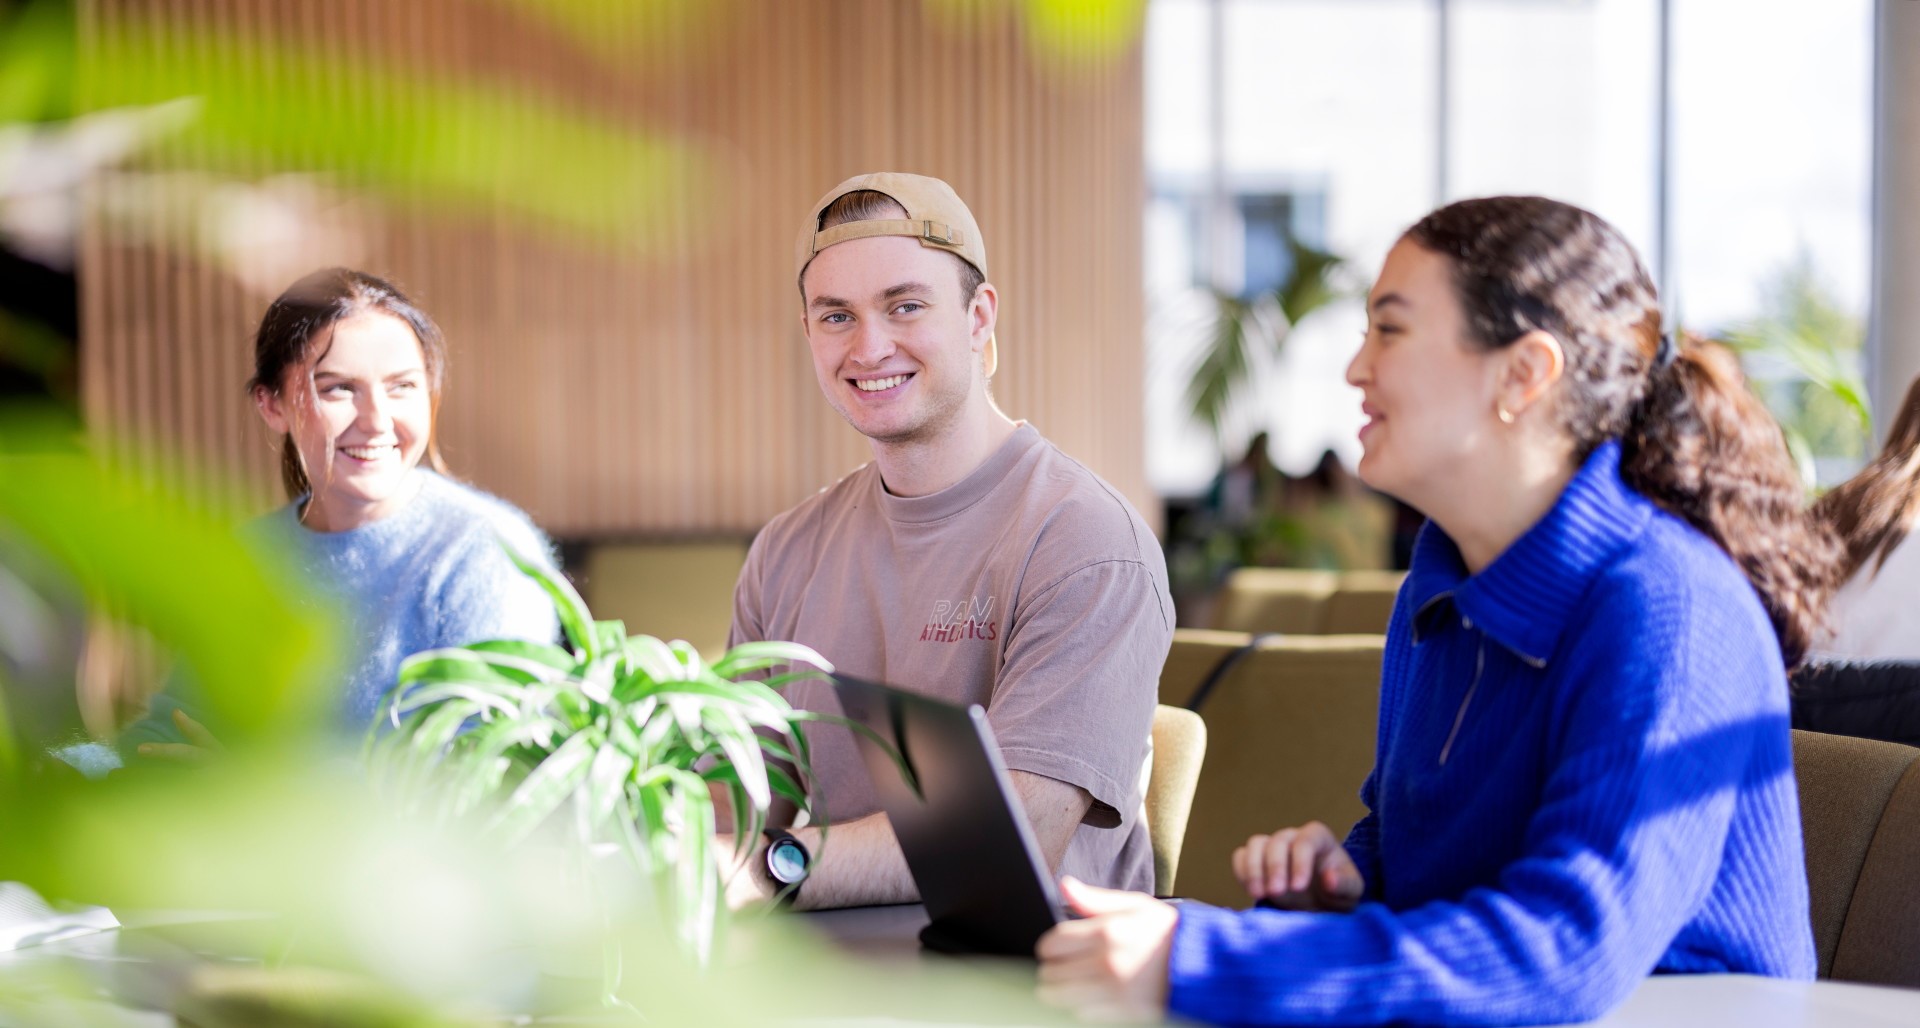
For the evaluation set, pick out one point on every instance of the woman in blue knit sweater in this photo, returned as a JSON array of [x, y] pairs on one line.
[[1583, 771], [348, 372]]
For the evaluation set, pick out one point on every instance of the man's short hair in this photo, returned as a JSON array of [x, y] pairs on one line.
[[871, 205]]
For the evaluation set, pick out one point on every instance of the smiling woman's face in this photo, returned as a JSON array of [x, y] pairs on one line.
[[366, 424], [1428, 391]]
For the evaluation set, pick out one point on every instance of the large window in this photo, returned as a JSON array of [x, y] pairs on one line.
[[1729, 139]]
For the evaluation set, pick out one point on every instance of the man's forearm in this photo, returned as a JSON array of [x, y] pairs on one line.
[[860, 865]]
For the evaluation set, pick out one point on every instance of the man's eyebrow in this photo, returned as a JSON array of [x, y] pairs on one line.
[[828, 301], [1388, 298], [906, 287]]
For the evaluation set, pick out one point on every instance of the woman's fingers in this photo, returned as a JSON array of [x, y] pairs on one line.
[[1304, 857], [1304, 868], [1111, 965], [195, 732], [1279, 855], [1340, 884], [1249, 866]]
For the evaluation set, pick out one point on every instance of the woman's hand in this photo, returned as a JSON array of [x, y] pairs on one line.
[[200, 749], [1112, 965], [1302, 868]]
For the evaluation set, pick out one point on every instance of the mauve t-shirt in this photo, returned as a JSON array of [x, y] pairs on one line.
[[1029, 587]]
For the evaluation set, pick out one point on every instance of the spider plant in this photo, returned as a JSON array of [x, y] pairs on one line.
[[612, 740]]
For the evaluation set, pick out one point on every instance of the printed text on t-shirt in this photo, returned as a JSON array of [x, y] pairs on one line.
[[954, 620]]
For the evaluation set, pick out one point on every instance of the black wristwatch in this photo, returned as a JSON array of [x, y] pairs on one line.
[[787, 863]]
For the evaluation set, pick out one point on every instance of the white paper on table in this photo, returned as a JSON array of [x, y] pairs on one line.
[[26, 919]]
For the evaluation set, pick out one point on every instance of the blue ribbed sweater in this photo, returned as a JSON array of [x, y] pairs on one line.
[[1583, 774]]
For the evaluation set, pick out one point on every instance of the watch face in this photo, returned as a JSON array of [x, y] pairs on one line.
[[787, 861]]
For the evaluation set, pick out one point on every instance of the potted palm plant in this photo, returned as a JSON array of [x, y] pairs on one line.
[[610, 743]]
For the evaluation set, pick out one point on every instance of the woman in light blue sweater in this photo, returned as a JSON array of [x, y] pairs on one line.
[[349, 372], [1583, 772]]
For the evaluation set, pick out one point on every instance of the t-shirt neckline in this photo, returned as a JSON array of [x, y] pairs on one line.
[[946, 503]]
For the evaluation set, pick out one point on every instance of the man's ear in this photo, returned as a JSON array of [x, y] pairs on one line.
[[272, 410], [1531, 366], [982, 314]]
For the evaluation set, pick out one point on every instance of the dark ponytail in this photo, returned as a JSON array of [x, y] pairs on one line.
[[1702, 445], [301, 315], [1693, 438]]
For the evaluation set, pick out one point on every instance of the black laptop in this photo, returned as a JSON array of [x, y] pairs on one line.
[[967, 842]]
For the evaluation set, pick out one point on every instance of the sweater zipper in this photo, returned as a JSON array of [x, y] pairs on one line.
[[1460, 718]]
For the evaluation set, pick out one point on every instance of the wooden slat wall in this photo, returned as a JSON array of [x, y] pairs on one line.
[[660, 387]]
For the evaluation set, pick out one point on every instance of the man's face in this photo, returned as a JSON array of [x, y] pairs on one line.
[[895, 346]]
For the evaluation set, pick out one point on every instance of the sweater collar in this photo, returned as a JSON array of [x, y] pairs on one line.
[[1526, 598]]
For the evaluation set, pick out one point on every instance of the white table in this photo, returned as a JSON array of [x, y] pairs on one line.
[[888, 936], [883, 942]]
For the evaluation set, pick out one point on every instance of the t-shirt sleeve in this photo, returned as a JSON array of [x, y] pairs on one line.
[[747, 624], [1074, 699]]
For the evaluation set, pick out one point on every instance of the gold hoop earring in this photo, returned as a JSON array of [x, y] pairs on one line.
[[1506, 416]]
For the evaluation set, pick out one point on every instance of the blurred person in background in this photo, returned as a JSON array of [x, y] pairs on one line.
[[1876, 613], [349, 372], [971, 560], [1583, 769], [1864, 678]]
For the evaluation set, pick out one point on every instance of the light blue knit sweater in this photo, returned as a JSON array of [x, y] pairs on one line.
[[430, 575]]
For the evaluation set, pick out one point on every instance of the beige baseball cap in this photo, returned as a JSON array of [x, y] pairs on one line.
[[935, 216]]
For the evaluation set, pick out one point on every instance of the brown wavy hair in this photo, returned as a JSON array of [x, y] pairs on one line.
[[1873, 511], [1693, 438], [296, 321]]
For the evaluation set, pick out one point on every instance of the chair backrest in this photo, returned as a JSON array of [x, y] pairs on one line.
[[1860, 813], [1179, 748], [673, 590], [1364, 602], [1290, 734], [1289, 600], [1303, 601], [1193, 656]]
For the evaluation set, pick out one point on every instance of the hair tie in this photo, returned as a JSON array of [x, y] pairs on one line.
[[1666, 354]]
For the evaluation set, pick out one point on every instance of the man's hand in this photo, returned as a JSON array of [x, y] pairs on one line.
[[743, 880], [1112, 965], [1302, 868], [200, 749]]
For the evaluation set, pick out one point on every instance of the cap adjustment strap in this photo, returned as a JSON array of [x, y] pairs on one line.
[[935, 233]]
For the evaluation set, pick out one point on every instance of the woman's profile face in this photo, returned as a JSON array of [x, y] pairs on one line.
[[367, 423], [1428, 392]]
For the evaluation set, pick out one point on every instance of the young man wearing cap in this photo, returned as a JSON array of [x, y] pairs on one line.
[[971, 560]]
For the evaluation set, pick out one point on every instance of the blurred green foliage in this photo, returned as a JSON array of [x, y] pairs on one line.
[[1240, 325], [173, 567], [432, 141], [36, 61], [1802, 354]]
